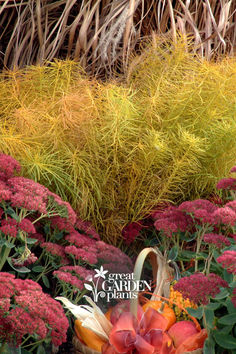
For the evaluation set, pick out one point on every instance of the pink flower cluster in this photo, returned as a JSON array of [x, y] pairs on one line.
[[131, 231], [82, 254], [228, 261], [219, 241], [10, 226], [73, 275], [8, 166], [28, 194], [227, 183], [71, 216], [199, 287], [113, 259], [201, 209], [25, 309], [173, 220], [86, 227], [55, 250]]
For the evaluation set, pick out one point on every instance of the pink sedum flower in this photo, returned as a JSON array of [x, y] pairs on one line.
[[233, 169], [199, 287], [30, 312], [8, 166], [227, 183], [55, 250], [225, 216], [228, 261], [9, 227], [88, 256], [27, 226], [5, 193], [28, 194], [219, 241]]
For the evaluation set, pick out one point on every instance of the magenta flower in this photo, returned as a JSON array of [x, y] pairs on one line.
[[88, 256], [225, 216], [8, 166], [5, 193], [28, 194], [228, 261], [233, 169], [131, 231], [27, 226], [219, 241], [199, 287], [9, 227], [55, 250], [173, 220], [80, 240], [26, 310], [227, 183], [87, 227]]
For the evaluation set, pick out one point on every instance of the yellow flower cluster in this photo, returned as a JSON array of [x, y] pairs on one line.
[[177, 298]]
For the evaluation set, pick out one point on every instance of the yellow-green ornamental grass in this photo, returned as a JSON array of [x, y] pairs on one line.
[[115, 151]]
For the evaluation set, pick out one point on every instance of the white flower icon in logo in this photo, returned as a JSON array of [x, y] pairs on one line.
[[100, 273]]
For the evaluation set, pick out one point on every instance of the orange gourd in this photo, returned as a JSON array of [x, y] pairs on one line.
[[91, 339], [108, 313], [163, 309]]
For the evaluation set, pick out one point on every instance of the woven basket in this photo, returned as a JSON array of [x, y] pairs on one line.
[[162, 274]]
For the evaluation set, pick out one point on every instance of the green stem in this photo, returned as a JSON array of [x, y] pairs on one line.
[[6, 251]]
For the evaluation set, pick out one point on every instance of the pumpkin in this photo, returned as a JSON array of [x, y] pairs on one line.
[[91, 339], [163, 309]]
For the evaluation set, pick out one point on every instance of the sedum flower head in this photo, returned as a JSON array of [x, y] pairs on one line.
[[227, 183], [8, 166], [228, 261], [199, 287], [220, 241]]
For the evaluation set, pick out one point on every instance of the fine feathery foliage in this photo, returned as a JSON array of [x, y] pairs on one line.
[[101, 34], [117, 151]]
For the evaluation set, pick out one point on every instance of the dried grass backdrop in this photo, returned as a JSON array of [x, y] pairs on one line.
[[101, 34]]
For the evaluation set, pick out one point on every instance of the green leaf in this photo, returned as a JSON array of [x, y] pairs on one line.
[[18, 269], [188, 238], [197, 313], [31, 241], [230, 307], [40, 350], [59, 235], [46, 281], [37, 269], [187, 254], [222, 295], [226, 329], [209, 346], [228, 319], [173, 254], [227, 276], [224, 340], [213, 305], [209, 316], [9, 244]]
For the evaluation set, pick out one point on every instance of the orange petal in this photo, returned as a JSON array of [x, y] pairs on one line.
[[142, 346], [152, 320], [193, 342], [123, 333]]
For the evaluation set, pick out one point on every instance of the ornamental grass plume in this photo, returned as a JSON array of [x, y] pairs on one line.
[[27, 315], [228, 261], [167, 134], [199, 287]]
